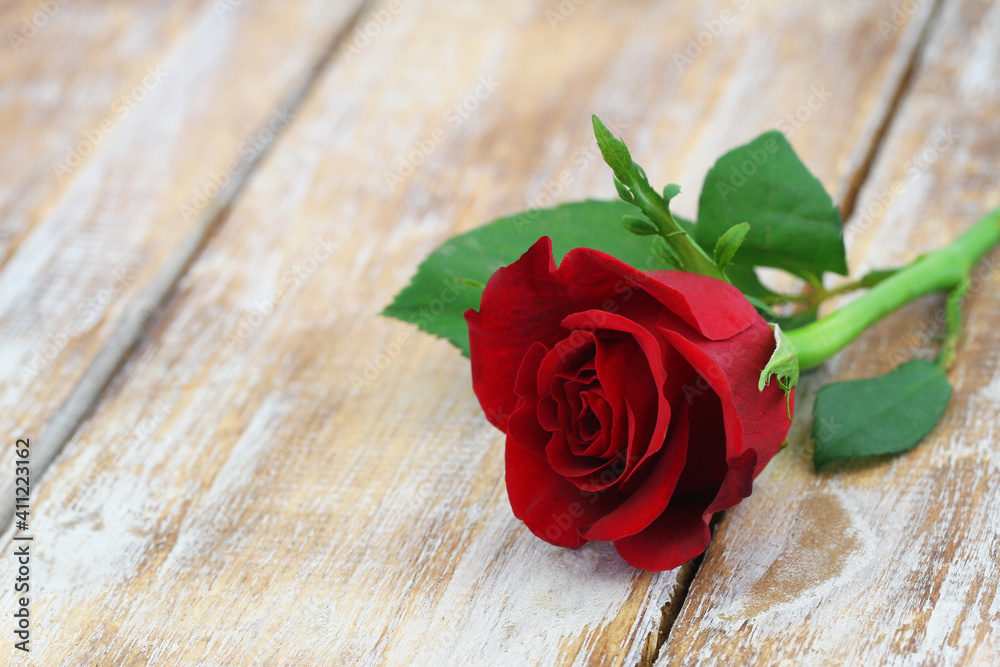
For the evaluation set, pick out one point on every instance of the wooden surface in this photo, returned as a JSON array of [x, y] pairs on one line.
[[275, 475], [896, 563], [114, 171]]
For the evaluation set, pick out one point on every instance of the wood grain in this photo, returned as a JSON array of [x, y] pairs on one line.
[[107, 209], [278, 476], [63, 66], [893, 563]]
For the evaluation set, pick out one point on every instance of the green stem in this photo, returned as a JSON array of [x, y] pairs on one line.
[[868, 280], [821, 295], [943, 269], [953, 321], [633, 187], [779, 299], [693, 259]]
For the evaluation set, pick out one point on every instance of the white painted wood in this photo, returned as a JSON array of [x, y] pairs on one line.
[[895, 563], [104, 224], [238, 499]]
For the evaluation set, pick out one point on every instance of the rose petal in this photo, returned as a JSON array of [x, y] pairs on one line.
[[683, 530], [613, 359], [524, 429], [565, 462], [713, 307], [706, 457], [525, 302], [605, 417], [588, 420], [523, 425], [652, 497], [754, 419], [522, 304], [547, 414], [551, 508], [526, 380], [566, 359], [644, 388]]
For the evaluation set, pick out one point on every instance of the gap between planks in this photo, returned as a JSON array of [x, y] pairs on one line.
[[115, 351], [866, 155], [874, 146]]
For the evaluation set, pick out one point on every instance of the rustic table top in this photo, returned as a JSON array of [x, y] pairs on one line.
[[204, 205]]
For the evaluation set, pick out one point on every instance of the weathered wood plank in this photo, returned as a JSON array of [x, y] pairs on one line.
[[104, 217], [280, 477], [894, 563], [64, 65]]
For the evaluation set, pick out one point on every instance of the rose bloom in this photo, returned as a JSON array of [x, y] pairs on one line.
[[629, 398]]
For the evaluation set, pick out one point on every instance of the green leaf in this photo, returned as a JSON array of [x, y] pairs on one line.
[[783, 365], [793, 223], [670, 191], [729, 243], [880, 415], [444, 286], [639, 226]]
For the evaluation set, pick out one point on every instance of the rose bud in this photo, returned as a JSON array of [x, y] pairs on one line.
[[629, 399]]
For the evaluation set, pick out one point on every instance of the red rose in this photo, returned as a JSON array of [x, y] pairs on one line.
[[629, 399]]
